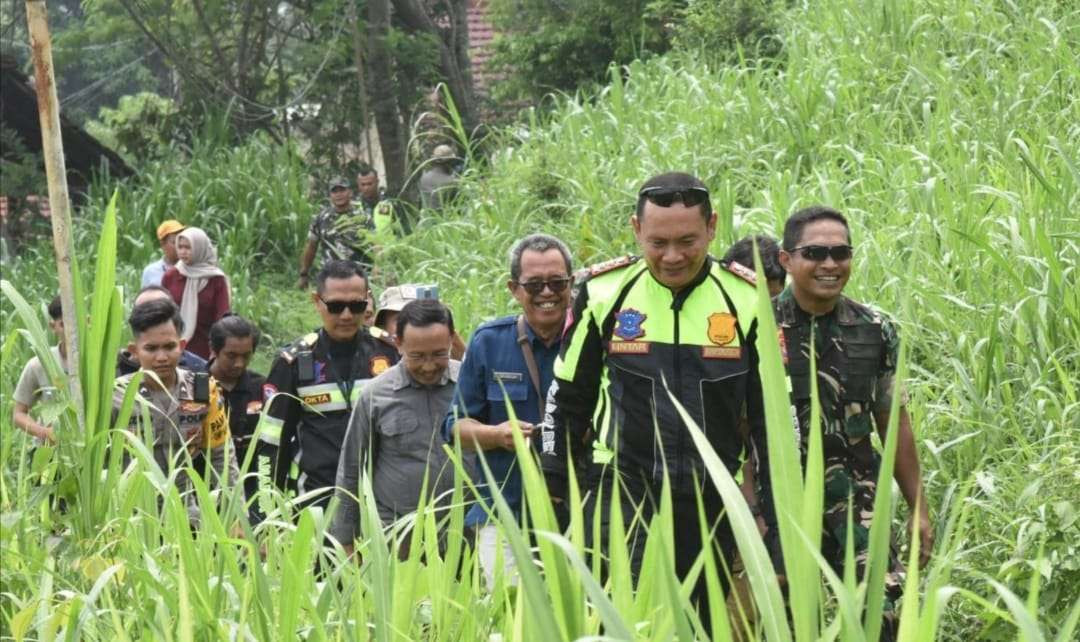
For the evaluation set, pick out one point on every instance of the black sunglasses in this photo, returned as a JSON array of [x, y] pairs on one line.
[[536, 287], [337, 307], [665, 196], [817, 253]]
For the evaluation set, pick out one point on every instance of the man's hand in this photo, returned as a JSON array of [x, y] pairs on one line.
[[926, 538], [302, 282], [506, 433]]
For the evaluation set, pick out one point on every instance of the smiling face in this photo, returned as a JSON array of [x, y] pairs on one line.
[[426, 352], [674, 241], [158, 350], [817, 285], [340, 198], [343, 326], [547, 310]]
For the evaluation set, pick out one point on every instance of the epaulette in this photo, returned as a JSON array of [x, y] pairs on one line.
[[741, 271], [379, 334], [612, 264], [305, 342]]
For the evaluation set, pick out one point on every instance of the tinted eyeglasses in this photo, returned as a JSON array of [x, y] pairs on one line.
[[337, 307], [665, 196], [818, 253], [536, 287]]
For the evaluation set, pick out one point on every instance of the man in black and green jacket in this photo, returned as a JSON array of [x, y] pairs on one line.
[[673, 320]]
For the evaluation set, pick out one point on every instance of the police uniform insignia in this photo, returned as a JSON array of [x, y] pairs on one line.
[[255, 407], [783, 345], [310, 339], [741, 271], [379, 365], [191, 406], [721, 328], [628, 325], [269, 390], [611, 264]]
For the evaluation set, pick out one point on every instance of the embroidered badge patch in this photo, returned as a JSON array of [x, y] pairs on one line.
[[379, 365], [628, 324], [254, 407], [269, 390], [721, 328]]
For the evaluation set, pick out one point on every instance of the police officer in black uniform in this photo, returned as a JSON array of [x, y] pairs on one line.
[[315, 381]]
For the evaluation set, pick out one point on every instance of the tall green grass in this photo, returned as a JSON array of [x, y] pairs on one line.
[[947, 130]]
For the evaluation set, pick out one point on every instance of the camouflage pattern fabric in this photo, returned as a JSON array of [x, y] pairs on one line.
[[343, 235], [856, 349]]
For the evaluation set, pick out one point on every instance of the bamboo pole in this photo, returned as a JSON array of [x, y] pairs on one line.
[[53, 152]]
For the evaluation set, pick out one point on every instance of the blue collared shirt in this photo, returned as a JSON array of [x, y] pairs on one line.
[[494, 357]]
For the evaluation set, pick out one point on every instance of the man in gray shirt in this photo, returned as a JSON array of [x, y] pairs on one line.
[[394, 429]]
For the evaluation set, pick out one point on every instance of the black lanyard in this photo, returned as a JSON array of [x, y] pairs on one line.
[[346, 386]]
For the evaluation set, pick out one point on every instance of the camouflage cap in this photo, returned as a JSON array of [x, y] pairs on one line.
[[336, 182], [393, 300]]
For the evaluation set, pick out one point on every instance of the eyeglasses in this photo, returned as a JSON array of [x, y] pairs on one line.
[[337, 307], [665, 196], [420, 357], [536, 287], [817, 253]]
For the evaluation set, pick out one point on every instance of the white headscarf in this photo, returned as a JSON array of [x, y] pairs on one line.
[[199, 271]]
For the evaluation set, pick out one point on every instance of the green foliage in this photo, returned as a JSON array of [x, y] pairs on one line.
[[724, 29], [21, 172], [142, 127], [560, 46]]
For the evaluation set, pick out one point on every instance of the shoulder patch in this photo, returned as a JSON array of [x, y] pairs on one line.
[[741, 271], [612, 264], [379, 334], [306, 342]]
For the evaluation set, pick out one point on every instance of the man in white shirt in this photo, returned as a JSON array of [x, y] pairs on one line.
[[166, 235]]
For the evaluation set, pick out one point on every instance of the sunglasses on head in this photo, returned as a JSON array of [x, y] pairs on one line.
[[665, 196], [818, 253], [536, 287], [337, 307]]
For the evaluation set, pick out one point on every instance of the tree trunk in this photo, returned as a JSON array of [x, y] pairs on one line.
[[457, 76], [383, 97]]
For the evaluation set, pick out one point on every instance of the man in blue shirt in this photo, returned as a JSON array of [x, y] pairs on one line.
[[498, 359]]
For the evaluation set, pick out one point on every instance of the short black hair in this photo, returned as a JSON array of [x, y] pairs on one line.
[[537, 243], [56, 311], [152, 288], [421, 313], [674, 181], [235, 326], [338, 269], [743, 252], [363, 169], [152, 314], [793, 229]]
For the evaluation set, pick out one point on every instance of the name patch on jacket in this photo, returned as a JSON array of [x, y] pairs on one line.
[[508, 377], [629, 347], [721, 352]]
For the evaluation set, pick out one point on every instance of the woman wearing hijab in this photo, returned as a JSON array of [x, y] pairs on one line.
[[199, 286]]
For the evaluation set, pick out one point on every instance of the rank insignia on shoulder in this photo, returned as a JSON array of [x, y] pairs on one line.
[[309, 339], [741, 271], [628, 324], [612, 264], [379, 365]]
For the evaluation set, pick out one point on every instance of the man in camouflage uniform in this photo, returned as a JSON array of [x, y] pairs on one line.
[[856, 348], [343, 230]]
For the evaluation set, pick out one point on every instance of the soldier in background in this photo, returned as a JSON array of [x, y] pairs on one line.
[[856, 350]]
